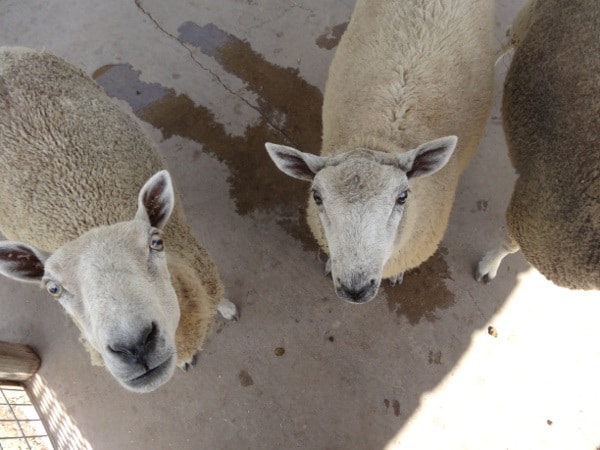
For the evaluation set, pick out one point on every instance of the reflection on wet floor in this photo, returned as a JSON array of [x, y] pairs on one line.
[[255, 183], [121, 81], [280, 90]]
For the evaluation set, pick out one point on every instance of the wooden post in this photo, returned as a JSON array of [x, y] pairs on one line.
[[18, 362]]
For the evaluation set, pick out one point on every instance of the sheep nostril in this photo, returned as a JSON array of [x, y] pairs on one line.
[[120, 350], [151, 334], [137, 352]]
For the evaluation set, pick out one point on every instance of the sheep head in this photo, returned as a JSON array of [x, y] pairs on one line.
[[361, 196], [114, 282]]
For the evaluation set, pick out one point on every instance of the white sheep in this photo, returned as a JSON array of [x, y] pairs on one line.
[[406, 72], [551, 110], [138, 284]]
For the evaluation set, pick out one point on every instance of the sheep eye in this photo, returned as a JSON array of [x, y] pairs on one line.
[[156, 243], [401, 200], [54, 289], [317, 197]]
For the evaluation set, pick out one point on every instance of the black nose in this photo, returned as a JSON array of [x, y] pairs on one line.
[[359, 294], [136, 352]]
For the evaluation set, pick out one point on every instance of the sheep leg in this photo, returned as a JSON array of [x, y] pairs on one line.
[[517, 30], [327, 270], [506, 46], [487, 268], [396, 279], [191, 363], [228, 310]]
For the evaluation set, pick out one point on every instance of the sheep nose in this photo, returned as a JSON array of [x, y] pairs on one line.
[[359, 294], [136, 352]]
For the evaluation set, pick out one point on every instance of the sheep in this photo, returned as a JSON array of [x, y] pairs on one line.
[[136, 282], [408, 81], [550, 108]]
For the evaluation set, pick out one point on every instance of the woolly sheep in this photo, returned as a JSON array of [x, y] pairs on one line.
[[408, 78], [72, 165], [551, 108]]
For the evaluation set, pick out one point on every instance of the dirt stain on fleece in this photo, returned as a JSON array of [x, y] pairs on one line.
[[422, 292]]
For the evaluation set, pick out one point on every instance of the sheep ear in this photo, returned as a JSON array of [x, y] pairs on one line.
[[295, 163], [156, 200], [427, 158], [22, 262]]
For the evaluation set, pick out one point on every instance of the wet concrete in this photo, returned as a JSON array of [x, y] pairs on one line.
[[331, 38], [255, 182], [290, 114], [423, 291], [415, 368]]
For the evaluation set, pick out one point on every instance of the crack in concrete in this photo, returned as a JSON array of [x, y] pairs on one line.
[[138, 3], [296, 5], [483, 316]]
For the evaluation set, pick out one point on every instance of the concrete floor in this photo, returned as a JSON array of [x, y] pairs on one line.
[[415, 368]]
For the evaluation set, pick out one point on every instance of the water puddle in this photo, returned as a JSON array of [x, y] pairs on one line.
[[286, 102], [423, 291], [331, 38]]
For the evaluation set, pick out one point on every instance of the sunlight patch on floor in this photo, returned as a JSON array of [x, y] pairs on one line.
[[522, 383]]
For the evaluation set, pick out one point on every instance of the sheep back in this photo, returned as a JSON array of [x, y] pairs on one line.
[[551, 111], [407, 72], [71, 158]]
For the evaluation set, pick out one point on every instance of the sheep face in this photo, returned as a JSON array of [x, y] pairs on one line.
[[360, 203], [361, 196], [114, 282]]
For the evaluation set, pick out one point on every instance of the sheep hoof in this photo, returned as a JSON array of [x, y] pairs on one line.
[[481, 276], [228, 310], [327, 270], [397, 279], [191, 363]]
